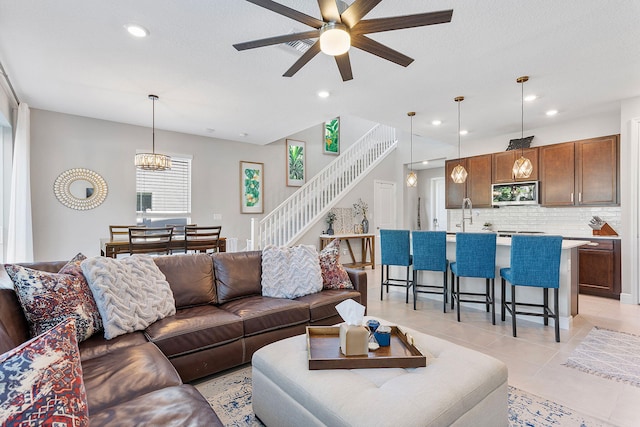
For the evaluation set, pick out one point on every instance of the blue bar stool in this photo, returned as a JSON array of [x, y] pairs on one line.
[[430, 254], [475, 257], [395, 250], [535, 261]]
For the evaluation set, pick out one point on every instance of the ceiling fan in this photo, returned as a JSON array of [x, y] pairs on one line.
[[338, 31]]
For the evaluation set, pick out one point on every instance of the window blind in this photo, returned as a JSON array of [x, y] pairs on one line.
[[165, 192]]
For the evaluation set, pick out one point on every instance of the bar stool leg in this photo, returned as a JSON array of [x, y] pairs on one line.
[[493, 302], [557, 314], [486, 298], [382, 282], [444, 291], [408, 285], [546, 306], [452, 288], [513, 309], [503, 301], [458, 295], [415, 293]]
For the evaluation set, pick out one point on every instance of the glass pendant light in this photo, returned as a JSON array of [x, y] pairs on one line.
[[152, 161], [522, 168], [459, 173], [412, 178]]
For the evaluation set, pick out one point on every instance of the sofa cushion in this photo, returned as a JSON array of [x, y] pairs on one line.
[[98, 345], [180, 406], [193, 329], [323, 304], [290, 272], [42, 381], [126, 373], [49, 298], [190, 277], [131, 293], [237, 274], [334, 276], [261, 314]]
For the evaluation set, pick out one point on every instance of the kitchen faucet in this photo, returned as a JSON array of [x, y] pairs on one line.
[[466, 203]]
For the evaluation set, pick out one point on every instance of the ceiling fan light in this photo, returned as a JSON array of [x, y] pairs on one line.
[[335, 39], [522, 168], [459, 174]]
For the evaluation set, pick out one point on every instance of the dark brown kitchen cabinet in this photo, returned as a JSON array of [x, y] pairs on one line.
[[454, 192], [503, 165], [580, 173], [477, 187], [597, 171], [599, 271]]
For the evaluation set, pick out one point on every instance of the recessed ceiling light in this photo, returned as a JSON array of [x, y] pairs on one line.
[[551, 112], [323, 94], [436, 122], [530, 98], [243, 134], [210, 130], [464, 132], [137, 30], [425, 162]]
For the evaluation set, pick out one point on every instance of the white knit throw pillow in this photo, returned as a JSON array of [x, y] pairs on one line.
[[290, 272], [131, 293]]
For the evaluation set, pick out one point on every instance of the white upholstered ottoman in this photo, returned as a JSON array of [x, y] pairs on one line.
[[458, 387]]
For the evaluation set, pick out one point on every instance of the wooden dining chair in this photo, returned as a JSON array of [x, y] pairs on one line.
[[119, 232], [201, 239], [150, 240]]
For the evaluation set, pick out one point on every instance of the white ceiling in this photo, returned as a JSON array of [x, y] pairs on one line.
[[74, 56]]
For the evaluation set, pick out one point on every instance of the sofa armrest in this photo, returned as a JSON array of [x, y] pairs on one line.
[[359, 280]]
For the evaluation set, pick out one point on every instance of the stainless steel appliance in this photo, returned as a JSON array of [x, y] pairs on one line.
[[516, 193]]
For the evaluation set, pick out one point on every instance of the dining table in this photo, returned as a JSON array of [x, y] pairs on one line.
[[113, 247]]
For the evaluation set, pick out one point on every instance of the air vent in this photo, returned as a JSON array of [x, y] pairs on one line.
[[300, 46]]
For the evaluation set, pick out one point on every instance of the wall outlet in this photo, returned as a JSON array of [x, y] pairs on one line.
[[217, 216], [344, 252]]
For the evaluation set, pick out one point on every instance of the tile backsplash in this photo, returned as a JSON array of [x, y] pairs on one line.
[[569, 222]]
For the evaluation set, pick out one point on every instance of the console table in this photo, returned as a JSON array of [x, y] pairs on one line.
[[368, 245]]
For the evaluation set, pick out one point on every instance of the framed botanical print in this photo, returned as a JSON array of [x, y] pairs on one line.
[[295, 163], [251, 187], [332, 137]]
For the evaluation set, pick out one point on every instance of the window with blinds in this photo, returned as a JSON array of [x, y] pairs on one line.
[[164, 194]]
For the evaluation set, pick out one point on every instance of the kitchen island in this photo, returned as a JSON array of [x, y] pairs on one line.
[[568, 291]]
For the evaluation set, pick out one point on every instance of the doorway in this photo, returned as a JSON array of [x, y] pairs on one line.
[[437, 205]]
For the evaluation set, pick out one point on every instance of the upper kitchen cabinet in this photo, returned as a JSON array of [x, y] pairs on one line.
[[503, 165], [454, 193], [580, 173], [597, 171], [477, 187]]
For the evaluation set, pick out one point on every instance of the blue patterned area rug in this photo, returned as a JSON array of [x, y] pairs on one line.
[[229, 394], [608, 354]]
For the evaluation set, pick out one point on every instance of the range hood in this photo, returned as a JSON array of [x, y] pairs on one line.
[[515, 194]]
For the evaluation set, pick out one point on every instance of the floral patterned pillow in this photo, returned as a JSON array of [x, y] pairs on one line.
[[42, 381], [49, 298], [334, 276]]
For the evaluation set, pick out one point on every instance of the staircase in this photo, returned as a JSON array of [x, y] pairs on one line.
[[309, 204]]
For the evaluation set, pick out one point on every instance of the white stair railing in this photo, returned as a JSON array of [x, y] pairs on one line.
[[311, 202]]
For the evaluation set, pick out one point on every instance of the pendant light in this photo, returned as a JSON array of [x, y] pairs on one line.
[[412, 178], [522, 168], [459, 173], [152, 161]]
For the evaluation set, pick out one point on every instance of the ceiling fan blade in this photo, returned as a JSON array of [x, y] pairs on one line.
[[357, 11], [277, 40], [306, 57], [344, 65], [288, 12], [329, 11], [400, 22], [378, 49]]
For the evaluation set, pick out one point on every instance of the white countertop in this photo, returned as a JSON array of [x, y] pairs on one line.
[[506, 241]]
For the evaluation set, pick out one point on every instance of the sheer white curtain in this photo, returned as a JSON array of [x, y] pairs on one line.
[[20, 233]]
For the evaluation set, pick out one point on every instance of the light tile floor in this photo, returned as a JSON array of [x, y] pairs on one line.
[[534, 358]]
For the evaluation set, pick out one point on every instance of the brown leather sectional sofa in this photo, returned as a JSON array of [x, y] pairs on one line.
[[221, 320]]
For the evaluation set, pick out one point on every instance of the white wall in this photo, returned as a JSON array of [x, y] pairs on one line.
[[62, 141]]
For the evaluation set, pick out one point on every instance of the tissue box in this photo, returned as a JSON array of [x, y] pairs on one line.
[[354, 340]]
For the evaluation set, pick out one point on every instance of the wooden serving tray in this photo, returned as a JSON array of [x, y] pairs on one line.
[[323, 345]]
